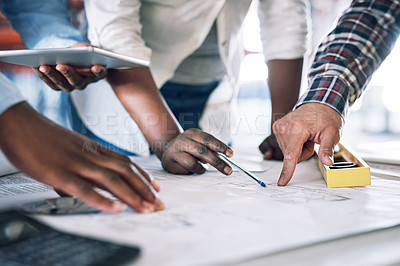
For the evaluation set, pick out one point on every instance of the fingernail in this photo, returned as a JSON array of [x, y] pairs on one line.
[[159, 205], [148, 207], [118, 206], [268, 155], [155, 185], [328, 160], [281, 181], [227, 170], [97, 70], [44, 70], [229, 152]]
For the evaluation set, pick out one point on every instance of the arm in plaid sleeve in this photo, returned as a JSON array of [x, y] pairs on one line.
[[348, 56]]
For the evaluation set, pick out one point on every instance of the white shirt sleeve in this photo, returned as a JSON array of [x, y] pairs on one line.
[[115, 26], [284, 28], [10, 95]]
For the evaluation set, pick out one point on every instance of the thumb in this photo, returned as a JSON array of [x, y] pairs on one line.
[[325, 152]]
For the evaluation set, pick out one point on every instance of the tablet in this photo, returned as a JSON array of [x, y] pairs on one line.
[[75, 56]]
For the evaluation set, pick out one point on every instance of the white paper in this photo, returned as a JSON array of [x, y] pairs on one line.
[[381, 152], [5, 166], [385, 170], [214, 219], [17, 189]]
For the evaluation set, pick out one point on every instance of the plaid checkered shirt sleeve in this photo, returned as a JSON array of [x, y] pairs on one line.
[[348, 56]]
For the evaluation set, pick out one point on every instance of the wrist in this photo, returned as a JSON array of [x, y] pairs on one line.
[[161, 146]]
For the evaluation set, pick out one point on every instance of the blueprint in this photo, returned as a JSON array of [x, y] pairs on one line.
[[215, 219], [17, 189]]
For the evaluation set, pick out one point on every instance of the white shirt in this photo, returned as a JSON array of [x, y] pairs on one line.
[[166, 32], [10, 95]]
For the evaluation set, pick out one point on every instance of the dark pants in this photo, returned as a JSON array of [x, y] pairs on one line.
[[187, 102]]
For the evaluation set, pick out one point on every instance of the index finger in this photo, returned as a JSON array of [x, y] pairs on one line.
[[126, 159], [56, 78], [292, 154]]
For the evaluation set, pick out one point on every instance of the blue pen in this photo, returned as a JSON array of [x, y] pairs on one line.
[[241, 169]]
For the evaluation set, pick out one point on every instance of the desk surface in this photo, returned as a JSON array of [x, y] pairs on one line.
[[379, 247], [233, 220]]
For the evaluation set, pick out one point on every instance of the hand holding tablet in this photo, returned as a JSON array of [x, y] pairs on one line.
[[70, 68], [78, 56]]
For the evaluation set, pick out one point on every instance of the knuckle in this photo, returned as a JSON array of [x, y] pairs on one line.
[[84, 188], [280, 127], [221, 147], [190, 131], [219, 164], [112, 178], [128, 168], [202, 149], [51, 74], [290, 155], [207, 138]]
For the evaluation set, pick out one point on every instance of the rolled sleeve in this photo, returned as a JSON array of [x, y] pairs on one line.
[[284, 28], [116, 26], [328, 90], [10, 95]]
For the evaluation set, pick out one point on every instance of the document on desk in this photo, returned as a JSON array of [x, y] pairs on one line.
[[17, 189], [387, 152], [217, 219]]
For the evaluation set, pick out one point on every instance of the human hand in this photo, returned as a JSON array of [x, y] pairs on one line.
[[68, 78], [183, 153], [298, 131], [74, 164], [270, 148]]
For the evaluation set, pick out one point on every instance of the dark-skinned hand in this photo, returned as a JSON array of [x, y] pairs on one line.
[[270, 148], [184, 153], [74, 164], [69, 78]]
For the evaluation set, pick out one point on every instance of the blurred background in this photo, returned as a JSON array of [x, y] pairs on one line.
[[375, 118]]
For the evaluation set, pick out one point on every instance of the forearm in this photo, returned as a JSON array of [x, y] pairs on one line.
[[32, 143], [284, 80], [139, 95]]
